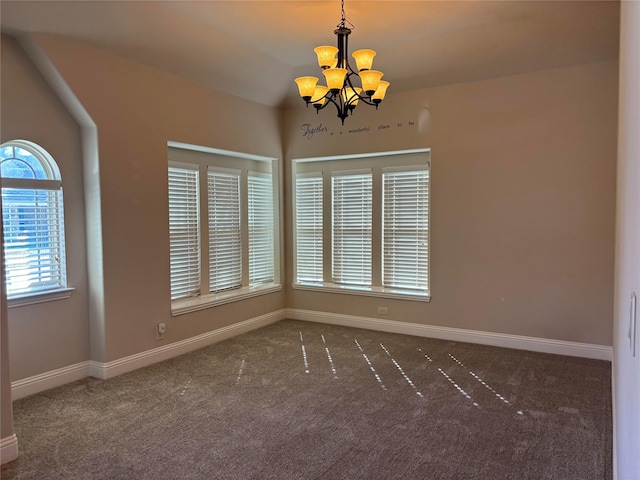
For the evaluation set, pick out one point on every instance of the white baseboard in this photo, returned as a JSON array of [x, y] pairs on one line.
[[8, 449], [62, 376], [45, 381], [534, 344], [103, 371], [143, 359]]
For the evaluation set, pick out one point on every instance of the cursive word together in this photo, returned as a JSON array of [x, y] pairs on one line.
[[309, 130]]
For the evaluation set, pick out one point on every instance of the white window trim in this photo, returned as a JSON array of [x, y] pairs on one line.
[[188, 305], [39, 297], [372, 291]]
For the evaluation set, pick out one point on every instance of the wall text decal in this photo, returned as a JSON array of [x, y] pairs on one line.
[[309, 130]]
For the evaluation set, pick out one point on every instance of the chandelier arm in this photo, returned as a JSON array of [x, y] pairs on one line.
[[341, 107], [330, 98], [360, 95], [348, 80], [367, 101]]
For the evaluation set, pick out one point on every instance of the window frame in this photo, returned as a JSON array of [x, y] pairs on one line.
[[379, 163], [208, 159], [52, 183]]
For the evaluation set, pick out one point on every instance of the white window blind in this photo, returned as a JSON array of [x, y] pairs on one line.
[[184, 231], [351, 243], [309, 228], [33, 239], [225, 237], [260, 206], [405, 248]]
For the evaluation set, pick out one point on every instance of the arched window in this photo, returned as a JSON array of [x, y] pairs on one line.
[[33, 220]]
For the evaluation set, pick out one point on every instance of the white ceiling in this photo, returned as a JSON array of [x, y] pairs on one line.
[[254, 49]]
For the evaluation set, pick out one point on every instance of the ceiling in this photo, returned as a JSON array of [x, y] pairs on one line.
[[254, 49]]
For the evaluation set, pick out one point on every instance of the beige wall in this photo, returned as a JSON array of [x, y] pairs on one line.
[[57, 331], [137, 110], [523, 173], [523, 200]]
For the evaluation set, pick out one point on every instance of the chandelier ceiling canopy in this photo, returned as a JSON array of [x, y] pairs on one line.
[[342, 90]]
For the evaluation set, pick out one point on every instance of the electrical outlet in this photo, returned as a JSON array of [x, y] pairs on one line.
[[383, 310], [162, 327]]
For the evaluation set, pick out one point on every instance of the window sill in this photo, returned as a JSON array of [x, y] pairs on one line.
[[378, 292], [39, 297], [188, 305]]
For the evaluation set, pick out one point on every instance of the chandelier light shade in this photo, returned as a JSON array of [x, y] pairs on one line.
[[380, 92], [342, 88], [335, 78], [364, 58], [306, 87], [326, 56], [370, 81]]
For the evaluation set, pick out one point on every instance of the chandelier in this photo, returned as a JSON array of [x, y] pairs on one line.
[[342, 90]]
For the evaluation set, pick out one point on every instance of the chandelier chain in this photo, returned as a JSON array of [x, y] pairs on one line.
[[344, 21]]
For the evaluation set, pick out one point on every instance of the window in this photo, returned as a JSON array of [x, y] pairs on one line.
[[225, 236], [261, 225], [33, 223], [351, 201], [184, 232], [362, 225], [405, 245], [222, 227], [309, 227]]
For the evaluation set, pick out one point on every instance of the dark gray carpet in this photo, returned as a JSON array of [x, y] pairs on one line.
[[299, 400]]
